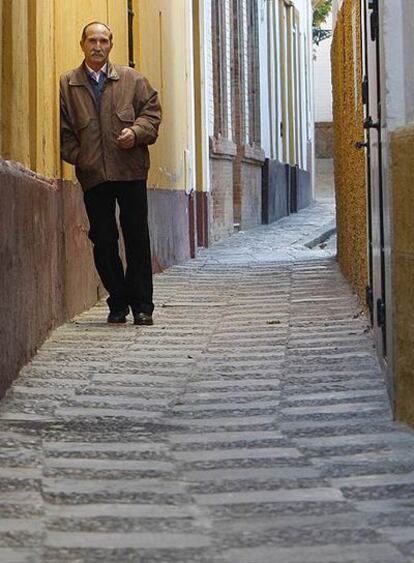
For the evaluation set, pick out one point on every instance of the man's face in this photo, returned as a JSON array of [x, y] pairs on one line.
[[96, 45]]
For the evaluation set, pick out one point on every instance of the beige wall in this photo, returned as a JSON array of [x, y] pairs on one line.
[[70, 18], [163, 47], [402, 171], [40, 40], [15, 108]]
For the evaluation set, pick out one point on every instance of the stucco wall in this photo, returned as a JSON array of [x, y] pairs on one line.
[[47, 273], [164, 50], [350, 183], [322, 77], [402, 173]]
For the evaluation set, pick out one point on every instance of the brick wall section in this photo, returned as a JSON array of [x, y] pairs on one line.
[[349, 161], [222, 148], [221, 203], [236, 158], [250, 157], [221, 214], [251, 201], [248, 186]]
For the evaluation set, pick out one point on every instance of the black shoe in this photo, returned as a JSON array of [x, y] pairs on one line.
[[143, 319], [118, 317]]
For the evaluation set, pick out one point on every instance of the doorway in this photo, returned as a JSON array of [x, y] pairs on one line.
[[376, 289]]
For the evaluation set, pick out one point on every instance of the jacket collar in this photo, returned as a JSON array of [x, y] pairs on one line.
[[79, 76]]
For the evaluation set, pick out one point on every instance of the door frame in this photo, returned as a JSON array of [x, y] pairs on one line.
[[375, 133]]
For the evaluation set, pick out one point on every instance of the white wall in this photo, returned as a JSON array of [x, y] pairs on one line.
[[209, 66], [264, 79], [270, 81], [408, 50], [322, 77]]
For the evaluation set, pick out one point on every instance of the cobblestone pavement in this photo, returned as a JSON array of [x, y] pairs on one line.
[[250, 424]]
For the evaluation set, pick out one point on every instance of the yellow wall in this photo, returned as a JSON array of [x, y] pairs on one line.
[[40, 40], [349, 161], [402, 166], [163, 43], [15, 86]]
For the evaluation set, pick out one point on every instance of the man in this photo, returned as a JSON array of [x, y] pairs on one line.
[[109, 116]]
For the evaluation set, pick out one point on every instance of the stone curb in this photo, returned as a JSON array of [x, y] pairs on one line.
[[329, 230]]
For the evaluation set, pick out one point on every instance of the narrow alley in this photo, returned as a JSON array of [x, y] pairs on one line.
[[268, 414], [250, 424]]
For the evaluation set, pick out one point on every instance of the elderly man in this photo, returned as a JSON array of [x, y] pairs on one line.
[[109, 116]]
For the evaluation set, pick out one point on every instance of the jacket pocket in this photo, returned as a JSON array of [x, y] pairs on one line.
[[126, 114], [89, 135]]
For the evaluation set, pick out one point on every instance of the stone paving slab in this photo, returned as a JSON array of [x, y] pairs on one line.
[[249, 424]]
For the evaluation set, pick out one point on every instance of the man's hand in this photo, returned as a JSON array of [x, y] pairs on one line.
[[126, 139]]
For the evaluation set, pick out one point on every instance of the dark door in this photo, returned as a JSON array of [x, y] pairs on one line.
[[372, 124]]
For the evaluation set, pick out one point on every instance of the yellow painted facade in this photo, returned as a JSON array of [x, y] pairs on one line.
[[350, 183], [163, 47], [40, 40]]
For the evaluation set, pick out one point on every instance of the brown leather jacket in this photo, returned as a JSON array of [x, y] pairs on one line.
[[88, 134]]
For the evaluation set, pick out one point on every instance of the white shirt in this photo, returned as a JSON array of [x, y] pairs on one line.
[[96, 74]]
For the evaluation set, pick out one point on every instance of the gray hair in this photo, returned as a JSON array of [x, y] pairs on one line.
[[96, 23]]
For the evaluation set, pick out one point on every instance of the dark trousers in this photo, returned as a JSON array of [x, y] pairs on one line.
[[134, 286]]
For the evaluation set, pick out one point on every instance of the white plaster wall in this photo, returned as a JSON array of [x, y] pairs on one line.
[[245, 63], [209, 66], [306, 14], [392, 63], [397, 68], [264, 79], [322, 77], [270, 84], [206, 90], [229, 107], [408, 50]]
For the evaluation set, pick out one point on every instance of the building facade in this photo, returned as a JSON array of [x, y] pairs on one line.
[[234, 78], [49, 274], [287, 106], [380, 36], [260, 111], [323, 91]]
